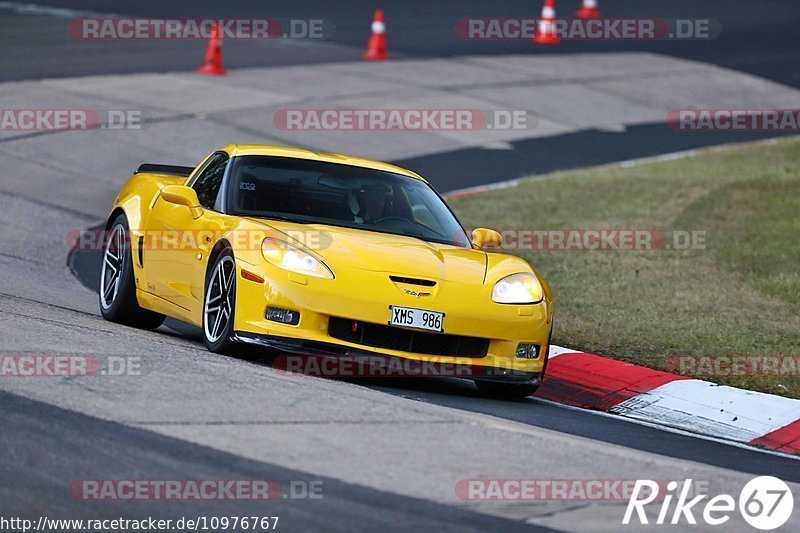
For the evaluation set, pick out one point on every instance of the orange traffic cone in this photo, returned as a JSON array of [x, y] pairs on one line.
[[376, 48], [545, 34], [212, 62], [588, 10]]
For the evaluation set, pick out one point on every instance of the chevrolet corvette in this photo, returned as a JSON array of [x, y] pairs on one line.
[[314, 253]]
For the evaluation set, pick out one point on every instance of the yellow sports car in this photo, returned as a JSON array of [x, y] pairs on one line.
[[314, 253]]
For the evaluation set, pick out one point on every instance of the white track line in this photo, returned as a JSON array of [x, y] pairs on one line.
[[559, 350], [684, 432], [726, 412], [671, 156], [20, 8]]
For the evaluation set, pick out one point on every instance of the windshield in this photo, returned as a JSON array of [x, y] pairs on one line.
[[307, 191]]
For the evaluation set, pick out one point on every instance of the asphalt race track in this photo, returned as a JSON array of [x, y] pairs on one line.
[[113, 447], [388, 454], [758, 38]]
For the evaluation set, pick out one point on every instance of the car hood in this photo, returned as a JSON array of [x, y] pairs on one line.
[[393, 254]]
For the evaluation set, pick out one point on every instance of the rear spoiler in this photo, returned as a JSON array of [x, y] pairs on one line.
[[154, 168]]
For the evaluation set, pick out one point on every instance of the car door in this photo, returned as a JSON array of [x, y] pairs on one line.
[[179, 241]]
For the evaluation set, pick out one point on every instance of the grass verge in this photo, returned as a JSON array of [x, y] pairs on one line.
[[733, 299]]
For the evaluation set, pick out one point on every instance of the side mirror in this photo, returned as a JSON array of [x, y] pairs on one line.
[[181, 195], [486, 239]]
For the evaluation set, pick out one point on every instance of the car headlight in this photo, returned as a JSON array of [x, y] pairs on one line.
[[282, 254], [518, 289]]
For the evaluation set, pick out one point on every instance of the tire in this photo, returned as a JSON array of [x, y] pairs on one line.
[[506, 391], [117, 296], [219, 303]]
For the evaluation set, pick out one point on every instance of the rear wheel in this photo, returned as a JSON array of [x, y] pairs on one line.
[[219, 303], [118, 301]]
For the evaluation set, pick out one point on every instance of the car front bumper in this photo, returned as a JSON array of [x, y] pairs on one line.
[[366, 298], [303, 356]]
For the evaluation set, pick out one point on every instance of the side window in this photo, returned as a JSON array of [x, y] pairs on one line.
[[208, 183]]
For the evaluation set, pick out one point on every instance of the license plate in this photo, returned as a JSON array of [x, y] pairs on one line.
[[409, 317]]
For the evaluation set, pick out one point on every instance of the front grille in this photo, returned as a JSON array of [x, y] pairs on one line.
[[413, 281], [392, 338]]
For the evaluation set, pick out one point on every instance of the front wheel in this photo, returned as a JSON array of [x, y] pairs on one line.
[[219, 303], [118, 301]]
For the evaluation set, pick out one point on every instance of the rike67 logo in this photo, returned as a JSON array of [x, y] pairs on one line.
[[765, 503]]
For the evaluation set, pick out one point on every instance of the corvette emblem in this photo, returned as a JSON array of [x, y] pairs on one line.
[[415, 293]]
